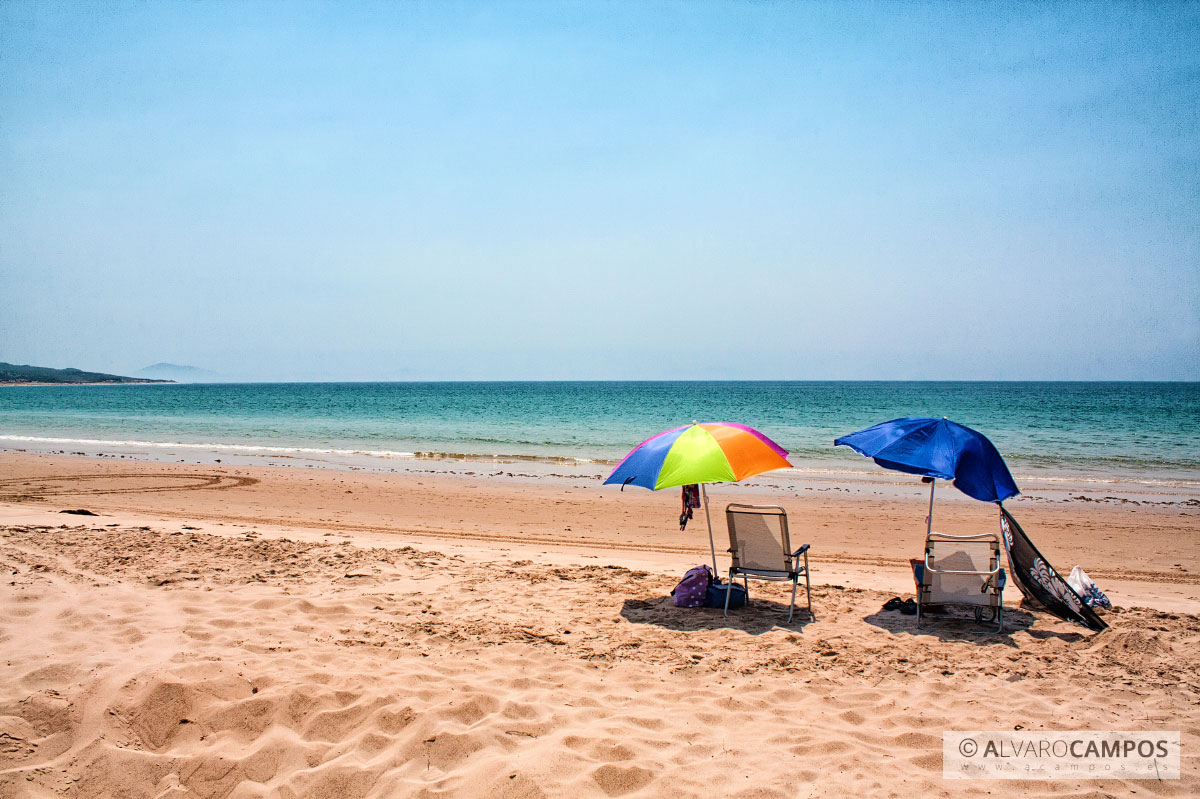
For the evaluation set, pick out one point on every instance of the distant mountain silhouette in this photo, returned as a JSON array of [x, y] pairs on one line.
[[12, 373], [179, 373]]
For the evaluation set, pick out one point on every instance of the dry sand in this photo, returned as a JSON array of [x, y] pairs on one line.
[[233, 631]]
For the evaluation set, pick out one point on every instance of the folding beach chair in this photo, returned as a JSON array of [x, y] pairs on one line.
[[761, 550], [962, 570]]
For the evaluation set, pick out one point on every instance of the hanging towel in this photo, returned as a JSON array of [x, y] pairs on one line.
[[691, 500], [1039, 581]]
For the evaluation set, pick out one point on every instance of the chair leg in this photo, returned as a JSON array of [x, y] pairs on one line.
[[746, 584], [808, 588], [792, 608], [728, 591]]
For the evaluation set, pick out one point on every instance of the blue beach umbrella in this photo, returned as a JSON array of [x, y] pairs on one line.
[[939, 449]]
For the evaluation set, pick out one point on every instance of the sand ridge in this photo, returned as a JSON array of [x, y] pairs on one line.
[[211, 665]]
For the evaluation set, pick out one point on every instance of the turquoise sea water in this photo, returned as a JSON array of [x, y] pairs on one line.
[[1139, 431]]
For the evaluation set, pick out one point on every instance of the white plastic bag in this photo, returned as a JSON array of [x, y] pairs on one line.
[[1087, 590]]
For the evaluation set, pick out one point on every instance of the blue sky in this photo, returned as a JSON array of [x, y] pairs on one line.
[[603, 190]]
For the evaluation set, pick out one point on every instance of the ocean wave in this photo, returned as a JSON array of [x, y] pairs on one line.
[[204, 445], [528, 442], [476, 456], [282, 450], [1110, 479], [1020, 477], [1095, 459]]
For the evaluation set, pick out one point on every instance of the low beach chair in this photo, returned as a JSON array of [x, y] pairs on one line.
[[961, 570], [761, 550]]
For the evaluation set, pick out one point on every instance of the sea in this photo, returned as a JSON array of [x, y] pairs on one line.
[[1136, 433]]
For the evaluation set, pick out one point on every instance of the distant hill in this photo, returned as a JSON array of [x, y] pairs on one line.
[[12, 373], [179, 373]]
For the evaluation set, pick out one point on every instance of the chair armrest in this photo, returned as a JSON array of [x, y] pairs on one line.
[[801, 551], [1001, 579]]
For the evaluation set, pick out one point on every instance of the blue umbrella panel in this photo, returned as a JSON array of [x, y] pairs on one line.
[[937, 448]]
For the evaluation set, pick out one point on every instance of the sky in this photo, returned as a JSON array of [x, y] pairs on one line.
[[602, 190]]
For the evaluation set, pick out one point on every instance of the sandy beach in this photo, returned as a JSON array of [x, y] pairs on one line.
[[237, 631], [395, 287]]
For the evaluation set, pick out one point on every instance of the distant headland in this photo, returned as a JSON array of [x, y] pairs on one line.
[[12, 374], [179, 373]]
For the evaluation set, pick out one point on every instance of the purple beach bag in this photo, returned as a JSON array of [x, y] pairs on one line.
[[693, 588]]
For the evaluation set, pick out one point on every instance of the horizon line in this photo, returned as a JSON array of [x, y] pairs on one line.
[[623, 380]]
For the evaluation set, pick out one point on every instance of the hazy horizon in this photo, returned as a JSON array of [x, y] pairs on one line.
[[374, 192], [221, 379]]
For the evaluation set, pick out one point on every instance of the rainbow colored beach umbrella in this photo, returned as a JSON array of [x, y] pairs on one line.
[[711, 452], [708, 452]]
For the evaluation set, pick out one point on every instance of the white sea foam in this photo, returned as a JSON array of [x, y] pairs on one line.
[[379, 453], [213, 446], [879, 475]]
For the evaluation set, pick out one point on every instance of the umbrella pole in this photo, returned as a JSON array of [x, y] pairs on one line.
[[711, 546], [929, 518]]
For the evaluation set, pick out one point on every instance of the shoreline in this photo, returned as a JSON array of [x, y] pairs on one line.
[[1130, 443], [1054, 484], [104, 383]]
